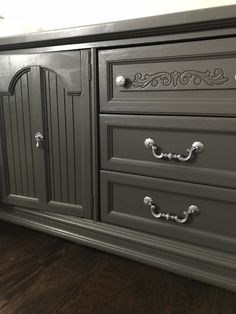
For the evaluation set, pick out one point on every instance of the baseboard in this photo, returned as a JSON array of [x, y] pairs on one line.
[[210, 266]]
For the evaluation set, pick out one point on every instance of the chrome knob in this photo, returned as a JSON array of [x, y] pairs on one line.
[[39, 138], [198, 146], [120, 81], [149, 142]]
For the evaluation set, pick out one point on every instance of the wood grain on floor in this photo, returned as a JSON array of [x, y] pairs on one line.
[[42, 274]]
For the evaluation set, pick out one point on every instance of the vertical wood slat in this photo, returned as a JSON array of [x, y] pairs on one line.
[[4, 167], [85, 174], [36, 97], [62, 141], [9, 144], [55, 137], [78, 152], [69, 115], [20, 123], [15, 140], [48, 117], [28, 134]]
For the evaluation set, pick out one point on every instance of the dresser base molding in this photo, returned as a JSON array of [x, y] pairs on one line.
[[198, 263]]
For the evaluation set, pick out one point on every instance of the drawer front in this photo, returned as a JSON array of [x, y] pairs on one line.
[[122, 203], [123, 148], [180, 78]]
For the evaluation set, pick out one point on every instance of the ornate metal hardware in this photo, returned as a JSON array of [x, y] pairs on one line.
[[121, 81], [193, 209], [197, 147], [39, 138]]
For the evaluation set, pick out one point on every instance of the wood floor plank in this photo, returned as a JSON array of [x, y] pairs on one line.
[[79, 259], [20, 262], [134, 288], [43, 274], [154, 291], [40, 293], [104, 284]]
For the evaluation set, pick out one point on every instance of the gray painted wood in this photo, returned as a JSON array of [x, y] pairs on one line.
[[123, 149], [7, 146], [86, 137], [204, 40], [28, 141], [69, 116], [17, 138], [36, 99], [14, 64], [53, 176], [195, 78], [53, 126], [95, 135], [122, 204]]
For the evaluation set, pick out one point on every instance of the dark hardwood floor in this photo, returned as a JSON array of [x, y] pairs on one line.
[[43, 274]]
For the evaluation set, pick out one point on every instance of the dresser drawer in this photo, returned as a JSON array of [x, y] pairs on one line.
[[180, 78], [123, 147], [122, 203]]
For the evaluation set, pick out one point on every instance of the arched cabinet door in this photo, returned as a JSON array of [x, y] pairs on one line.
[[45, 132]]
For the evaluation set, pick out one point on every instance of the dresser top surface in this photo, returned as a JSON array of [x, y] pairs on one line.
[[203, 19]]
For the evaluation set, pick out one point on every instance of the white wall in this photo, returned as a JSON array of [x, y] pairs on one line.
[[22, 16]]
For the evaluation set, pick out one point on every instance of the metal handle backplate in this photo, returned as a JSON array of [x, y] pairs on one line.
[[193, 209], [197, 147], [39, 138]]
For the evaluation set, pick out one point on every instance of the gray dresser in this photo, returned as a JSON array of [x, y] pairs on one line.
[[122, 136]]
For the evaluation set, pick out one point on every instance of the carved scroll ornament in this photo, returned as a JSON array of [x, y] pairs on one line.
[[179, 79]]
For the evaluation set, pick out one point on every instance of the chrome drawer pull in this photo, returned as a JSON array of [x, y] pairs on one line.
[[193, 209], [197, 147], [39, 138], [121, 81]]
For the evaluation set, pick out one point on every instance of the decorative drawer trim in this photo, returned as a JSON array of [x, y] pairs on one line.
[[180, 79]]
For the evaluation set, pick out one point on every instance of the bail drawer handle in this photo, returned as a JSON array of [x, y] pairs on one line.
[[39, 138], [193, 209], [197, 147]]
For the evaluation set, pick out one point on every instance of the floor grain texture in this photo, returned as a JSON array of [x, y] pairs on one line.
[[42, 274]]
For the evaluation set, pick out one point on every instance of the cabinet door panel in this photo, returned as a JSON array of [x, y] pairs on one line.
[[18, 159], [64, 157], [46, 93]]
